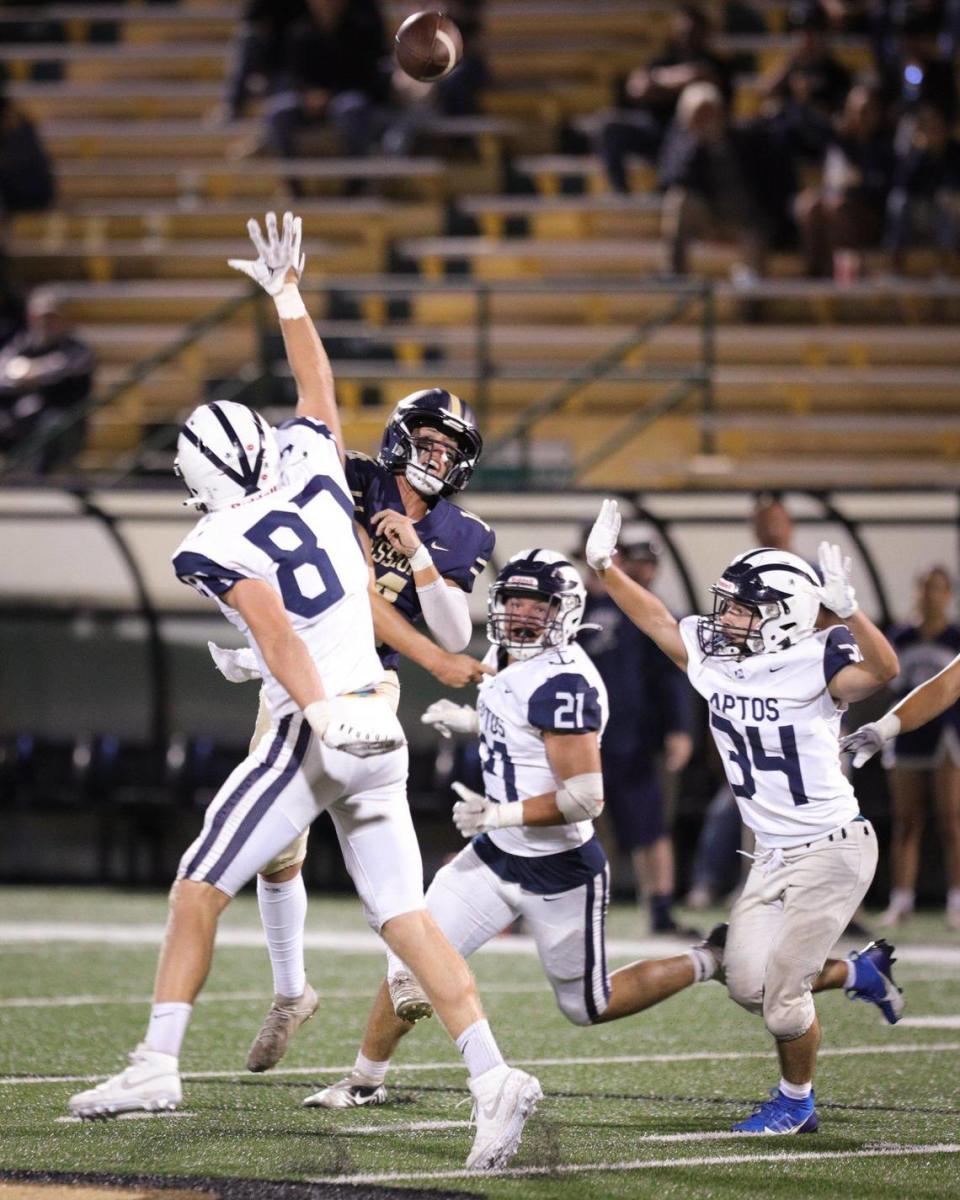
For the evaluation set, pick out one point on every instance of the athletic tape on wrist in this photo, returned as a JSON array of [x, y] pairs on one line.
[[420, 559], [290, 303]]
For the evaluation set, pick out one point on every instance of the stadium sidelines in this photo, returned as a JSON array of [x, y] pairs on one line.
[[367, 942], [707, 1160], [599, 1061]]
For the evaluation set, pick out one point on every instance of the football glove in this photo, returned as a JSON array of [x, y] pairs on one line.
[[236, 666], [602, 541], [836, 593], [276, 254], [359, 725], [449, 718], [864, 742], [473, 813]]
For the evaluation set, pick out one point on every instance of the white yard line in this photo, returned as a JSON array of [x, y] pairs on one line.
[[234, 997], [933, 1022], [599, 1061], [366, 942], [650, 1164], [130, 1116]]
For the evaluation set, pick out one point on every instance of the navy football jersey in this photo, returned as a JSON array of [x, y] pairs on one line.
[[920, 659], [460, 544]]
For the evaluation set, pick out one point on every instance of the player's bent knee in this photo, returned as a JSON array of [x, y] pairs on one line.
[[747, 992], [572, 1003], [788, 1018]]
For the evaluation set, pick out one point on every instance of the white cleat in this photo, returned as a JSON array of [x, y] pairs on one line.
[[504, 1098], [410, 1001], [150, 1084], [286, 1015], [349, 1092]]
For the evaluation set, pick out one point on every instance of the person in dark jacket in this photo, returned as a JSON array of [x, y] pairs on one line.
[[650, 725], [26, 173], [45, 373], [924, 203]]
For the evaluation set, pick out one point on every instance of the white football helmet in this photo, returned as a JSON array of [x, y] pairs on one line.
[[225, 453], [778, 587], [541, 575]]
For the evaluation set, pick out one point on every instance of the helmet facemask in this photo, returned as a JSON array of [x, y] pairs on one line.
[[524, 636]]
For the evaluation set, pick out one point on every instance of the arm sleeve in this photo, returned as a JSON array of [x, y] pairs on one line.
[[840, 651], [565, 703], [447, 614]]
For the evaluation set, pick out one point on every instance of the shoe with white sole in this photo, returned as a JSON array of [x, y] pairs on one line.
[[286, 1015], [780, 1116], [873, 982], [150, 1084], [504, 1098], [410, 1001], [353, 1091]]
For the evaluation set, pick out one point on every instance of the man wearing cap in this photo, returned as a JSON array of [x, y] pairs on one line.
[[650, 723]]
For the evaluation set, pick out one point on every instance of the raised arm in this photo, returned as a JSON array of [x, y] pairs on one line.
[[879, 665], [277, 269], [648, 613]]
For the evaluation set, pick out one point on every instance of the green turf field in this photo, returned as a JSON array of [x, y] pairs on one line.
[[633, 1109]]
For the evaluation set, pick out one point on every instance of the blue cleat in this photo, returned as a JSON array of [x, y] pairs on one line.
[[873, 980], [781, 1115]]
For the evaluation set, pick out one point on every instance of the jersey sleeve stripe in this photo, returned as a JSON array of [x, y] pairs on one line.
[[311, 423], [215, 578]]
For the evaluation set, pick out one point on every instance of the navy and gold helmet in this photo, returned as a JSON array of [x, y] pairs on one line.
[[433, 408]]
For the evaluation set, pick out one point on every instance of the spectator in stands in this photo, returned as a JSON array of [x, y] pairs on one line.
[[924, 203], [335, 64], [26, 173], [916, 65], [736, 19], [721, 181], [846, 214], [804, 92], [649, 730], [258, 51], [648, 96], [925, 764], [45, 373]]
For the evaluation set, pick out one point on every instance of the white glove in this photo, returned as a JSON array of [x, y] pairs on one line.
[[836, 593], [864, 742], [473, 813], [358, 725], [236, 666], [277, 254], [449, 718], [602, 541]]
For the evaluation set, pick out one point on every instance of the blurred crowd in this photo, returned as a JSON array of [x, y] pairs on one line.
[[834, 163]]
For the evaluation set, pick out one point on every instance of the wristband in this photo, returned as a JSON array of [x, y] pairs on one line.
[[317, 716], [289, 303], [507, 815], [420, 559], [888, 726]]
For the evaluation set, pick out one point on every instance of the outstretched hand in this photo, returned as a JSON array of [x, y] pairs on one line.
[[278, 254]]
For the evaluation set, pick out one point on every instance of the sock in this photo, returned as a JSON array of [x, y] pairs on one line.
[[479, 1049], [395, 966], [851, 973], [283, 910], [796, 1091], [370, 1070], [953, 900], [704, 964], [902, 899], [660, 909], [168, 1024]]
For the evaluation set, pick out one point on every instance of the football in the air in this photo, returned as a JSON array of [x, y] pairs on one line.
[[428, 46]]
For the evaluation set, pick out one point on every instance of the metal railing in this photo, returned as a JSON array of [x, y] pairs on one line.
[[512, 451]]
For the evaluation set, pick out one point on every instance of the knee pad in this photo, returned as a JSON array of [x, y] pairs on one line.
[[294, 854], [746, 988], [571, 1002], [788, 1008]]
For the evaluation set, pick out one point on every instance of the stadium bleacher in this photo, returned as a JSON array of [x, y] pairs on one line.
[[153, 195]]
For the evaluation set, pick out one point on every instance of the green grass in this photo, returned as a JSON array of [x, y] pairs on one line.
[[600, 1113]]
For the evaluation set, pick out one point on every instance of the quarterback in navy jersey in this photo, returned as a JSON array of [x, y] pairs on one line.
[[533, 851], [776, 683]]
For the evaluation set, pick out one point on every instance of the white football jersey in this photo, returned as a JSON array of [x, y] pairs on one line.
[[299, 538], [777, 729], [559, 691]]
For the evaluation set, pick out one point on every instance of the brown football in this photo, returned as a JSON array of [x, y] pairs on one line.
[[428, 46]]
